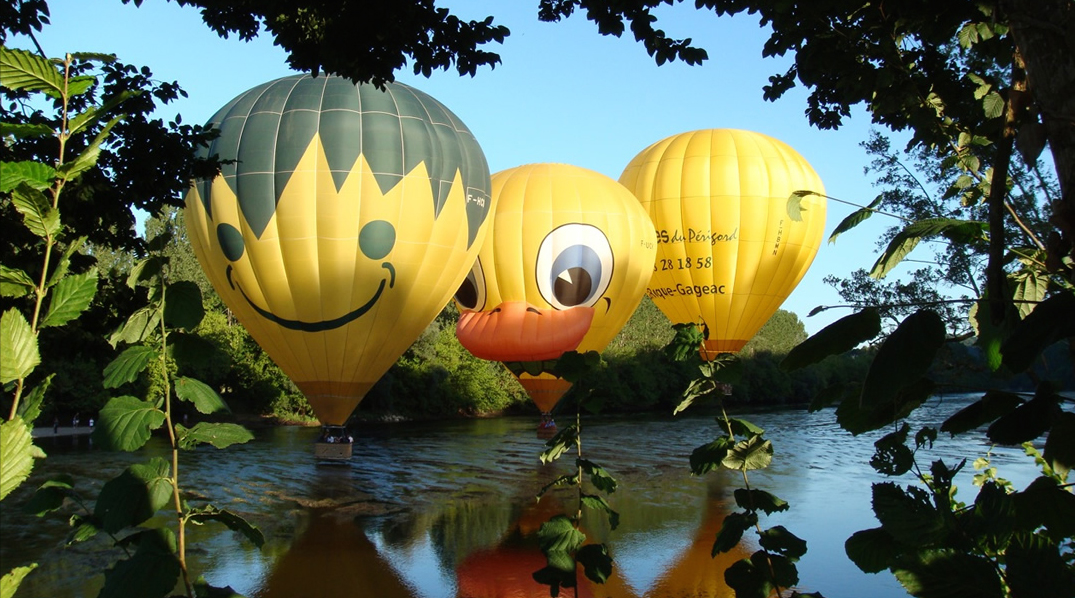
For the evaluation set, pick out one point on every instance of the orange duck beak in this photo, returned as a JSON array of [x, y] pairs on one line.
[[518, 331]]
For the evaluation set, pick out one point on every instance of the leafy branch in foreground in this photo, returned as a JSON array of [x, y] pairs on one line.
[[56, 296], [741, 447], [562, 541], [126, 503]]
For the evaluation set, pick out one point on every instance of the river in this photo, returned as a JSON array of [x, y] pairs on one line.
[[447, 510]]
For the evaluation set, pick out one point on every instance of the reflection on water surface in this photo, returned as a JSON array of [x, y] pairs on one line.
[[447, 509]]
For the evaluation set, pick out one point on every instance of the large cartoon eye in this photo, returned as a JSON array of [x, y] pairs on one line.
[[471, 294], [574, 266]]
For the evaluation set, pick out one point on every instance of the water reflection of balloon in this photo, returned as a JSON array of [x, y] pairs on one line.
[[563, 267], [728, 253], [346, 221]]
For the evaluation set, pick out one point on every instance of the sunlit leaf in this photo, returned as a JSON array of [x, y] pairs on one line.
[[152, 571], [903, 358], [872, 550], [88, 157], [30, 405], [795, 204], [128, 365], [70, 297], [134, 496], [20, 69], [231, 520], [36, 175], [1028, 287], [559, 534], [739, 427], [19, 356], [697, 389], [22, 131], [11, 580], [125, 424], [64, 263], [836, 338], [205, 399], [145, 271], [754, 453], [17, 454], [15, 283], [220, 435], [906, 240], [560, 443], [855, 218], [93, 114], [141, 325], [992, 405], [993, 105], [731, 531], [38, 214]]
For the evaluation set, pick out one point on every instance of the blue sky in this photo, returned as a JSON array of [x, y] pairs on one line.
[[563, 93]]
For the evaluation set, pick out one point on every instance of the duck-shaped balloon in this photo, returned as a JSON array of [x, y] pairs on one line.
[[564, 265]]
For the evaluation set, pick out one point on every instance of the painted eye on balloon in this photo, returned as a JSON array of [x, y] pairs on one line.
[[471, 294], [376, 239], [574, 266]]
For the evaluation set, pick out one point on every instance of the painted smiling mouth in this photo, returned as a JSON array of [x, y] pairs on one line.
[[324, 324]]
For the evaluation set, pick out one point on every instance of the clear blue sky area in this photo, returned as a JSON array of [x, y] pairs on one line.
[[563, 93]]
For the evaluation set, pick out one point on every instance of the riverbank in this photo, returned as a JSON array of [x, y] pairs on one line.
[[61, 431]]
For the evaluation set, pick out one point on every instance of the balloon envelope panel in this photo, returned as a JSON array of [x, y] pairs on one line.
[[345, 223], [728, 252]]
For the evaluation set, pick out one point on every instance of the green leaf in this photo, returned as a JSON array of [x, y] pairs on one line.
[[50, 496], [62, 265], [908, 238], [22, 131], [220, 435], [134, 496], [903, 358], [779, 540], [128, 365], [30, 405], [907, 514], [231, 520], [37, 213], [891, 455], [11, 580], [152, 571], [759, 500], [125, 424], [20, 69], [836, 338], [993, 105], [795, 203], [708, 457], [88, 158], [17, 454], [872, 550], [564, 480], [1060, 444], [740, 427], [20, 355], [559, 534], [754, 453], [205, 399], [560, 443], [77, 86], [71, 297], [685, 341], [1028, 289], [1045, 504], [598, 503], [1035, 567], [15, 283], [855, 218], [145, 271], [36, 175], [992, 405], [857, 418], [1051, 321], [82, 529], [596, 562], [834, 394], [572, 365], [183, 305], [598, 476], [948, 574], [731, 531], [697, 389], [93, 114], [141, 325]]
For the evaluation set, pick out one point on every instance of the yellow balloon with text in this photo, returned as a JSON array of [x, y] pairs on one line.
[[731, 246], [345, 221]]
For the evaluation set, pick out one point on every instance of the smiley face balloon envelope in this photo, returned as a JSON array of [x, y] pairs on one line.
[[563, 267], [728, 252], [347, 220]]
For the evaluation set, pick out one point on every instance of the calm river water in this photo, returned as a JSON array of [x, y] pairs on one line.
[[447, 510]]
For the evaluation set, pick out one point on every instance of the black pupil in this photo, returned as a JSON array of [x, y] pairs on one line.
[[467, 295], [573, 292]]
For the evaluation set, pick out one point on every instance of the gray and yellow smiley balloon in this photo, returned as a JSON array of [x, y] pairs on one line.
[[347, 220]]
